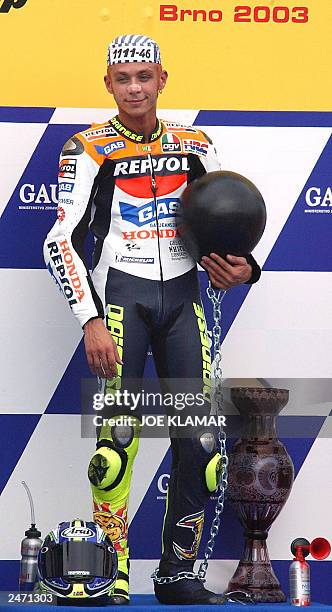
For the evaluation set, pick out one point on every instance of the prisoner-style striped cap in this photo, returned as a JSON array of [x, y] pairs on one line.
[[133, 48]]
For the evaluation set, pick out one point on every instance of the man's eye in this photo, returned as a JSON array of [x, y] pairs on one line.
[[144, 77]]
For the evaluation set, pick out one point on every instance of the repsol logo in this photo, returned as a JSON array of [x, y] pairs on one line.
[[6, 5], [141, 215], [66, 276], [160, 165]]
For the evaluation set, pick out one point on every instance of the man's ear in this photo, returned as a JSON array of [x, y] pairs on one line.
[[108, 83], [162, 79]]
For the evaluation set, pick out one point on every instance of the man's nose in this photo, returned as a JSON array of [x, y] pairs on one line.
[[134, 88]]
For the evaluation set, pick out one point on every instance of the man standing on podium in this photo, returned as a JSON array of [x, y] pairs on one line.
[[123, 180]]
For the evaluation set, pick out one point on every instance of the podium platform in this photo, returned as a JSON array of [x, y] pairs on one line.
[[145, 603]]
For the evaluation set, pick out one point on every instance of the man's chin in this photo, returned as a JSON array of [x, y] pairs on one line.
[[137, 110]]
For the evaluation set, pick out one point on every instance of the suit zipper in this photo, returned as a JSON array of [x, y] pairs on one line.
[[154, 191]]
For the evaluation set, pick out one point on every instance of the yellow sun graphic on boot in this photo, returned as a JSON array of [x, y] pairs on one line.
[[113, 525]]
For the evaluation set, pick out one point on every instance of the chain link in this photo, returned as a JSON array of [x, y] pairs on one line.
[[216, 296], [240, 597], [170, 579]]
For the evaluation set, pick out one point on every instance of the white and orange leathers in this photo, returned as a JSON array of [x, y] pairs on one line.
[[127, 192]]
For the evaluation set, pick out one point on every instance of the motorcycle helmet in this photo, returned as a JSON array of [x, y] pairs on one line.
[[77, 561]]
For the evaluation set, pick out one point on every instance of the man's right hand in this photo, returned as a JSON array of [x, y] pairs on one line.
[[101, 350]]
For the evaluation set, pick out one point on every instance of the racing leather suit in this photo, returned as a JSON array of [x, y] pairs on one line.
[[127, 192]]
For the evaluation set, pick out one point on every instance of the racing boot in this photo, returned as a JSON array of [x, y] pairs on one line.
[[185, 592]]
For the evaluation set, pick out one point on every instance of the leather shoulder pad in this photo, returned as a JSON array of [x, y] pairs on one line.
[[73, 146], [207, 137]]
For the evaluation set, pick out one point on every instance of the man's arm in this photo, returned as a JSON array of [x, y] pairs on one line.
[[64, 244], [64, 255]]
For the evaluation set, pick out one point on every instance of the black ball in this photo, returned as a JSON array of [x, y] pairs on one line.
[[222, 212]]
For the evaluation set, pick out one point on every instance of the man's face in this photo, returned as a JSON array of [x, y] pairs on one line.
[[135, 86]]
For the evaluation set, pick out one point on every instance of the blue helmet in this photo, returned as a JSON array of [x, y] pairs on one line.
[[77, 560]]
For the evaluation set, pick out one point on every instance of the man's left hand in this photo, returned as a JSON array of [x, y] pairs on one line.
[[226, 273]]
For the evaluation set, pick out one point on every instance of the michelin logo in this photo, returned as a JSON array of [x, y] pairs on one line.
[[141, 215], [126, 259]]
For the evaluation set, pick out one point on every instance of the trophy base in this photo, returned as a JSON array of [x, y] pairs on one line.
[[259, 579]]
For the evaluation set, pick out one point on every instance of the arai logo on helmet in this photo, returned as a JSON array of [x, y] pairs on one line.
[[77, 532]]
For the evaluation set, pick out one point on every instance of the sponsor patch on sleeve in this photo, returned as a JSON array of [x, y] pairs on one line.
[[195, 146], [67, 187], [67, 168], [179, 127], [110, 148], [170, 143], [60, 213], [99, 134]]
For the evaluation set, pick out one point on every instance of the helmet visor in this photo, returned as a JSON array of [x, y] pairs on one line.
[[73, 560]]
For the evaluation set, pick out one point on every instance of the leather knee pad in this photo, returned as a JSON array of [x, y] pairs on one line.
[[213, 472], [207, 457], [111, 463], [208, 440]]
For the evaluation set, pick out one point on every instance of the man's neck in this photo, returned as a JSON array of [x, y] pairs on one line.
[[141, 125]]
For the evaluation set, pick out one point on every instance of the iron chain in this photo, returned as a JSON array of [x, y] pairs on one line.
[[216, 296], [171, 579]]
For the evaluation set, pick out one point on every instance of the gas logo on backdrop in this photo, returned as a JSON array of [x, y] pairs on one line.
[[38, 194], [319, 198], [6, 5]]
